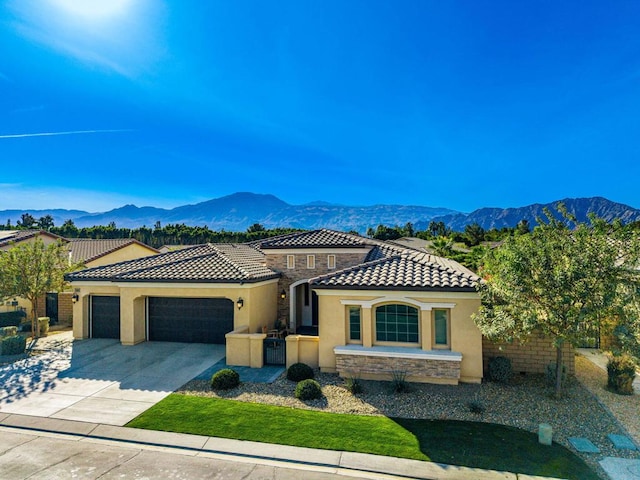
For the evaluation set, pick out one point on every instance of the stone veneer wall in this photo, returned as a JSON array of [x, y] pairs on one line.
[[278, 262], [532, 356], [416, 369]]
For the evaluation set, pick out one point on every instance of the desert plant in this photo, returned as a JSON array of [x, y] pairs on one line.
[[13, 345], [500, 369], [550, 373], [399, 382], [620, 374], [308, 389], [354, 385], [225, 379], [299, 371]]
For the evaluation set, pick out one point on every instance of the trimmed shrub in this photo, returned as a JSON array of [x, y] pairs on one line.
[[225, 379], [43, 326], [399, 382], [8, 331], [11, 319], [550, 373], [500, 370], [620, 374], [299, 371], [308, 389], [354, 385], [13, 345]]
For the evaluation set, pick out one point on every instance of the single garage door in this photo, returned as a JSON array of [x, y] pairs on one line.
[[193, 320], [105, 317]]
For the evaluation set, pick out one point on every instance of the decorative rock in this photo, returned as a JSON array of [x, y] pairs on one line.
[[583, 445], [545, 434]]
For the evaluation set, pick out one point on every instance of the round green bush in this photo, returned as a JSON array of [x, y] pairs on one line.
[[225, 379], [308, 390], [299, 371], [500, 369]]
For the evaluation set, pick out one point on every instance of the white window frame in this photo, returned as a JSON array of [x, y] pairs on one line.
[[331, 262], [311, 262], [291, 262]]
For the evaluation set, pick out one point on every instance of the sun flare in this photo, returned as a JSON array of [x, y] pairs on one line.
[[93, 9]]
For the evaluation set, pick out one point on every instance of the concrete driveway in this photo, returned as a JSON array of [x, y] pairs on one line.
[[99, 380]]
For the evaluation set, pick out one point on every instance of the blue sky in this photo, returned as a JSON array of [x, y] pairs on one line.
[[460, 104]]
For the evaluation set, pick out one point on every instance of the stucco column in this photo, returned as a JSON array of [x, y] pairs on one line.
[[132, 318], [425, 329], [256, 345], [81, 317], [367, 327]]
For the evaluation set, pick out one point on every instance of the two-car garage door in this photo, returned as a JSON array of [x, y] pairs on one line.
[[192, 320]]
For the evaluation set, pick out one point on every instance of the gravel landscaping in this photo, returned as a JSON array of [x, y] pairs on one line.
[[525, 403]]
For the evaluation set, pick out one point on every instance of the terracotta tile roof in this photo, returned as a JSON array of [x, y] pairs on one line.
[[322, 238], [8, 236], [407, 271], [87, 249], [201, 263]]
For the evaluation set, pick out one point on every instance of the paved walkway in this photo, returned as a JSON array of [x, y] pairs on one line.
[[301, 458]]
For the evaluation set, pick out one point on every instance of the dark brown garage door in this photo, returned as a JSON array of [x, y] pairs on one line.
[[105, 317], [192, 320]]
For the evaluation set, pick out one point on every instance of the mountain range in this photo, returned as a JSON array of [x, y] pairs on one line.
[[238, 211]]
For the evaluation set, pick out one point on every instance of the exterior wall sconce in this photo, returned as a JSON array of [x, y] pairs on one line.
[[283, 294], [75, 297], [240, 303]]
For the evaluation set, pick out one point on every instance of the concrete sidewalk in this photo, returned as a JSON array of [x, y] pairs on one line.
[[256, 452]]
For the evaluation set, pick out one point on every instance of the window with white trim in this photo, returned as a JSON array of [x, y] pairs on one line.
[[311, 261], [291, 261], [397, 323], [440, 328], [331, 262]]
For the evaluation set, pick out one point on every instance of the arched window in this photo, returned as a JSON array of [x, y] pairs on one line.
[[397, 323]]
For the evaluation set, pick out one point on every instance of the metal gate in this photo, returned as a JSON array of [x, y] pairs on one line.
[[275, 351]]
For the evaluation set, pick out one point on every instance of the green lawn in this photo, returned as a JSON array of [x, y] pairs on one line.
[[458, 443]]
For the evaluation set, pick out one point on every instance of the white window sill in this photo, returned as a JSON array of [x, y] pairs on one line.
[[398, 352]]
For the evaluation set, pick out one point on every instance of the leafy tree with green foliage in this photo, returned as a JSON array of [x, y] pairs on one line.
[[26, 221], [31, 269], [438, 229], [561, 280], [46, 222]]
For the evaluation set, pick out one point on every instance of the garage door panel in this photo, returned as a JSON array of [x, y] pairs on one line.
[[105, 317], [191, 320]]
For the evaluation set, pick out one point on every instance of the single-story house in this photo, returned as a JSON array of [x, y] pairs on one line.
[[352, 305]]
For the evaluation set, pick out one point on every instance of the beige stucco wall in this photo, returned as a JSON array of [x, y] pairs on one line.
[[260, 303], [465, 337], [303, 349], [46, 239], [129, 252]]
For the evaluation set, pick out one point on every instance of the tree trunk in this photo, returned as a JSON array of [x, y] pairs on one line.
[[34, 319], [558, 370]]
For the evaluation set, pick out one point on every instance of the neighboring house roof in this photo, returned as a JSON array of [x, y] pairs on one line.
[[86, 249], [412, 242], [8, 236], [200, 263], [407, 271], [322, 238]]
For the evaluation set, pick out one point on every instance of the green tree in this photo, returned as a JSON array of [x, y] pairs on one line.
[[46, 222], [31, 269], [474, 234], [438, 229], [256, 227], [26, 221], [561, 280], [442, 246], [522, 227]]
